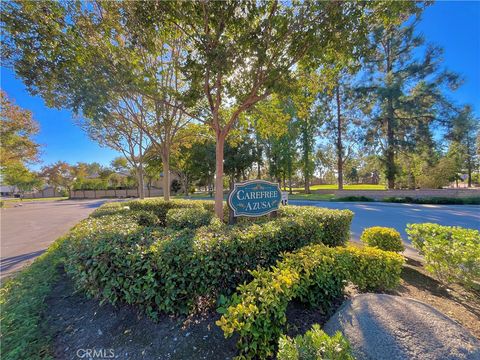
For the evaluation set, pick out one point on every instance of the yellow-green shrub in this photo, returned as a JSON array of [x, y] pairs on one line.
[[451, 253], [314, 274], [313, 345], [384, 238], [335, 223]]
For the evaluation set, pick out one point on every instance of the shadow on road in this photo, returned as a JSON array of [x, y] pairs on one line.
[[10, 262]]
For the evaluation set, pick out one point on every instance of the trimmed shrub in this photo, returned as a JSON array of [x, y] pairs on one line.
[[163, 269], [384, 238], [146, 218], [335, 224], [313, 345], [451, 253], [160, 207], [435, 200], [110, 209], [314, 274], [191, 218]]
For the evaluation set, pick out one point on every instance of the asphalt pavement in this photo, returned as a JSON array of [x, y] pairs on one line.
[[28, 228]]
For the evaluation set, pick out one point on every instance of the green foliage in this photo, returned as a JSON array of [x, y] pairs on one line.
[[17, 148], [146, 218], [399, 90], [188, 218], [315, 275], [18, 175], [112, 257], [435, 200], [384, 238], [335, 224], [313, 345], [23, 333], [355, 198], [161, 207], [175, 186], [451, 253]]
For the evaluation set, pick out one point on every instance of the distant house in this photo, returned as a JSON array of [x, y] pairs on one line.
[[8, 190]]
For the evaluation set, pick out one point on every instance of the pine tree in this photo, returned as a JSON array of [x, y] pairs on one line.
[[406, 94]]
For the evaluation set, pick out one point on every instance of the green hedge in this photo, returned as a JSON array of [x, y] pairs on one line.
[[314, 274], [191, 218], [434, 200], [313, 345], [163, 269], [384, 238], [451, 253], [335, 224], [161, 207]]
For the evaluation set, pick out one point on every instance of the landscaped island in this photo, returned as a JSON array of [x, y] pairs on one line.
[[177, 259]]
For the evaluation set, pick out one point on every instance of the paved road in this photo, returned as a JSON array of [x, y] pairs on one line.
[[27, 230], [399, 215]]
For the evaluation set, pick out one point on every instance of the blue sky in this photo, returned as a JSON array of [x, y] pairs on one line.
[[453, 25]]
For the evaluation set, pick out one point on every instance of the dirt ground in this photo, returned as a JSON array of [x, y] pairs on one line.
[[80, 324], [454, 301]]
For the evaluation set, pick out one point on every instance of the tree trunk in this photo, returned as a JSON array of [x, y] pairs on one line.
[[307, 173], [219, 147], [166, 173], [469, 171], [141, 183], [290, 177], [339, 142], [390, 153]]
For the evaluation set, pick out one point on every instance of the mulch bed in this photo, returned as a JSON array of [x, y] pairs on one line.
[[80, 324]]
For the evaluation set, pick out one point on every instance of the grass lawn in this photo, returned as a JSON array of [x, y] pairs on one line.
[[318, 197], [345, 187]]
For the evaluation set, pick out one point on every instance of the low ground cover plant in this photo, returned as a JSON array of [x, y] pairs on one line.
[[384, 238], [23, 332], [315, 275], [163, 269], [313, 345], [452, 253]]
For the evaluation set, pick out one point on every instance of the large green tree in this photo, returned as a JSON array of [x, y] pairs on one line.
[[462, 134], [406, 92], [59, 175], [17, 128], [97, 59], [240, 52], [18, 175]]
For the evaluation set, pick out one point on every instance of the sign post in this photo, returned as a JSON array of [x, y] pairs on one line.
[[254, 198]]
